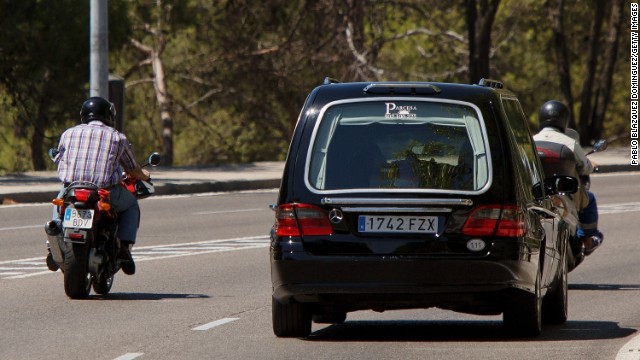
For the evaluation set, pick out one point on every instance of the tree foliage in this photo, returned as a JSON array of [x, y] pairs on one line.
[[44, 67], [211, 82]]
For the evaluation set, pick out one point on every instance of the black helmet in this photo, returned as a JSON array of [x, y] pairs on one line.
[[99, 108], [555, 114]]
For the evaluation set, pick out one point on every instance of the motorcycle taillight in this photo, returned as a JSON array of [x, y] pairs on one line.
[[82, 194]]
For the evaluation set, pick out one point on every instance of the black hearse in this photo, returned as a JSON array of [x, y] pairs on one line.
[[399, 195]]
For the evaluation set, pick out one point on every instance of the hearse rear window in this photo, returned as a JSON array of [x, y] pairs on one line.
[[399, 144]]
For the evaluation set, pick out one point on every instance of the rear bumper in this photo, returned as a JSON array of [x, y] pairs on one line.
[[394, 282]]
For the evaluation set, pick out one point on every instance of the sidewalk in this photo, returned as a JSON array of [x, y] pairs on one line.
[[42, 186]]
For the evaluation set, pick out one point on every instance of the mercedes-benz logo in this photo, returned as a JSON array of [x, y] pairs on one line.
[[336, 216]]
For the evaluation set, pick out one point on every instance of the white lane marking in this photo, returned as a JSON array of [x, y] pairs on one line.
[[630, 350], [22, 227], [618, 208], [30, 275], [228, 211], [19, 261], [129, 356], [214, 324], [31, 262], [24, 205], [23, 268]]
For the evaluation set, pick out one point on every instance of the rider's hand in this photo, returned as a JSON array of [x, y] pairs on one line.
[[139, 173], [146, 173]]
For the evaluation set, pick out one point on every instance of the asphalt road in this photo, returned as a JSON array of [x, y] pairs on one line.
[[202, 291]]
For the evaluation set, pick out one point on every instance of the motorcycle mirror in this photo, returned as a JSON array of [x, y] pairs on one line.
[[154, 159], [53, 153], [600, 145], [565, 184]]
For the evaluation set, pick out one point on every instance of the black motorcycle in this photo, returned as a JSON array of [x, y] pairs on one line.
[[82, 242], [558, 159]]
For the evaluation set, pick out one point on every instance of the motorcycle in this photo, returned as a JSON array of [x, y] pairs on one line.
[[82, 242], [558, 159]]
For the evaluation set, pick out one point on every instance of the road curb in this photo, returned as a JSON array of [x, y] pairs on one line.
[[617, 168], [215, 186]]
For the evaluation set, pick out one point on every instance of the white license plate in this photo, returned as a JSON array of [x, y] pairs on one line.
[[78, 219], [398, 224]]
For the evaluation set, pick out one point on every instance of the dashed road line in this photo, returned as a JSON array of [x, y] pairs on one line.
[[129, 356], [19, 269], [630, 350], [213, 324]]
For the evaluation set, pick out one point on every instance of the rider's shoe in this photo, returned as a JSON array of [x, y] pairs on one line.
[[128, 266], [591, 243]]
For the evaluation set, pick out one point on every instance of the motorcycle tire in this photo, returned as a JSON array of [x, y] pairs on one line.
[[77, 279], [102, 286]]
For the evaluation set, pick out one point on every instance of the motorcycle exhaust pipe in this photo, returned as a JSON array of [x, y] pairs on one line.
[[54, 236]]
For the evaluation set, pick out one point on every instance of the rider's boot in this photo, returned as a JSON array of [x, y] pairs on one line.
[[591, 243], [128, 265]]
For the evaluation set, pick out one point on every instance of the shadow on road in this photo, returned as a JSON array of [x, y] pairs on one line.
[[604, 287], [392, 331], [147, 296]]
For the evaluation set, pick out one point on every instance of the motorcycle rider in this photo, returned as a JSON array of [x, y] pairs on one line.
[[554, 119], [95, 152]]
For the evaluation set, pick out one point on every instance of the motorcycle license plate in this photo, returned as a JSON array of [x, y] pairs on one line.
[[78, 219], [398, 224]]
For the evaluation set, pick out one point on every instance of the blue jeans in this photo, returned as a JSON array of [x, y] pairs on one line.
[[126, 206], [588, 218]]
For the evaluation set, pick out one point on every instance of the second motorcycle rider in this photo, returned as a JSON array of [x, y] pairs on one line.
[[554, 119]]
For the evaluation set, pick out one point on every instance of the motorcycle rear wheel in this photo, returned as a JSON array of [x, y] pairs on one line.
[[77, 279], [102, 286]]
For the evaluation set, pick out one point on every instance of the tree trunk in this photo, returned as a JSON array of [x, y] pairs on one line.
[[159, 82], [362, 69], [592, 63], [37, 141], [164, 102], [41, 120], [556, 12], [603, 92], [479, 24]]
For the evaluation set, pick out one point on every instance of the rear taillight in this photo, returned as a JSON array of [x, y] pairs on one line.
[[82, 194], [301, 219], [76, 236], [286, 224], [490, 220]]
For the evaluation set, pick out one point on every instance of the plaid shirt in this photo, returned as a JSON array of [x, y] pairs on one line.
[[94, 153]]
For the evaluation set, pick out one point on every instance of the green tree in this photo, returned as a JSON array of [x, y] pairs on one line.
[[223, 81], [43, 71], [595, 64]]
